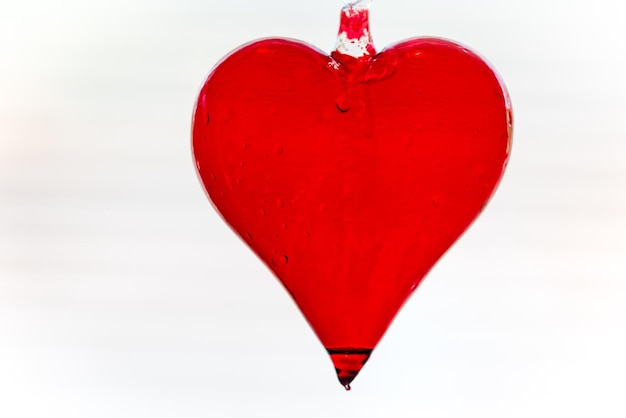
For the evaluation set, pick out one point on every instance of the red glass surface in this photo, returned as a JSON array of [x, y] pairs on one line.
[[351, 176]]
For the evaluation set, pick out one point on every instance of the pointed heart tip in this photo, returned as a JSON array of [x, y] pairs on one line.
[[348, 362]]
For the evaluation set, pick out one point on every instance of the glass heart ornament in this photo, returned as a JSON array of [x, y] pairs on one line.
[[351, 174]]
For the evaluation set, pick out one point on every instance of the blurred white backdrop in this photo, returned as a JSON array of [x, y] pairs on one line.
[[122, 293]]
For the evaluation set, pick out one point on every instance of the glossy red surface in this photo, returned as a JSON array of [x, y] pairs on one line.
[[350, 177]]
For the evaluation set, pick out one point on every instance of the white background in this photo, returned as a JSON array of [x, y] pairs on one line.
[[122, 293]]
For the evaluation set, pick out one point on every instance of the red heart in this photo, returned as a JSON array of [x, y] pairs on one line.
[[350, 177]]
